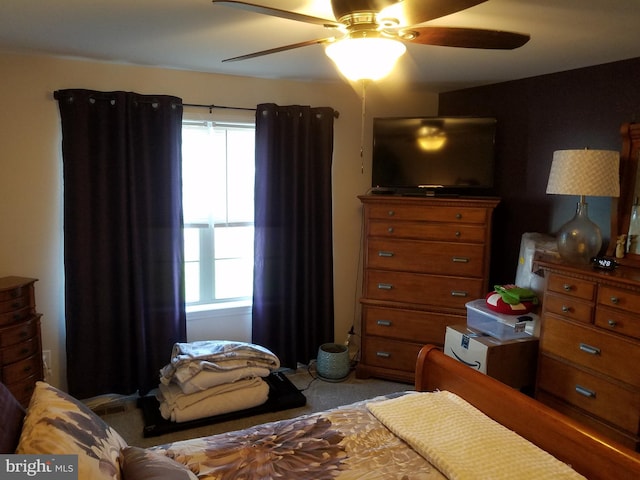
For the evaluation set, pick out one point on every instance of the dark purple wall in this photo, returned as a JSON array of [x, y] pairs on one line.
[[576, 109]]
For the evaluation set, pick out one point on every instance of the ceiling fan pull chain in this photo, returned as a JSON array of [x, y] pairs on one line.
[[364, 110]]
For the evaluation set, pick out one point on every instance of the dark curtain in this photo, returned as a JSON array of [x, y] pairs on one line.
[[293, 273], [123, 244]]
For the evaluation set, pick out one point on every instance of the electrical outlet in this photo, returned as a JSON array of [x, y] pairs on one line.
[[46, 360]]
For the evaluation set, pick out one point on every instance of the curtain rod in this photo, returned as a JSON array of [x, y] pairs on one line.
[[336, 114], [212, 106]]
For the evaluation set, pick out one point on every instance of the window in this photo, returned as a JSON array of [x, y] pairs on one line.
[[217, 181]]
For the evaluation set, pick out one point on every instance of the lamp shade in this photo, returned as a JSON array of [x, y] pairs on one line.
[[585, 172], [365, 58]]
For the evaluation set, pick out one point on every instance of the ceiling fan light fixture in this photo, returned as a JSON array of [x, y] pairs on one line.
[[365, 58]]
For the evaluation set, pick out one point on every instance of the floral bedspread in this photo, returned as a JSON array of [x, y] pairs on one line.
[[344, 443]]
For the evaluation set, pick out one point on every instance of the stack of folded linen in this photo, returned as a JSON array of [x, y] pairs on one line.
[[208, 378]]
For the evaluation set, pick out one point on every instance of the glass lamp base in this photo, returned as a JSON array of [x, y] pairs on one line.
[[579, 240]]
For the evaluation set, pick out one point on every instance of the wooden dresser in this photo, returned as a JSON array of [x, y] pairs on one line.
[[424, 259], [20, 342], [589, 358]]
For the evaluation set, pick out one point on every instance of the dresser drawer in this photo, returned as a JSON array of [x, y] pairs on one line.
[[429, 213], [411, 325], [428, 231], [17, 303], [19, 351], [624, 438], [568, 307], [15, 316], [594, 394], [426, 257], [618, 298], [434, 290], [11, 335], [573, 287], [393, 354], [618, 321], [592, 348], [18, 371], [13, 292], [23, 390]]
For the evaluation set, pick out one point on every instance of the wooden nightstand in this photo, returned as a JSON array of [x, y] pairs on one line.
[[20, 342]]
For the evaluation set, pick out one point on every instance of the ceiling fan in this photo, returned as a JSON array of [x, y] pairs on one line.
[[381, 23]]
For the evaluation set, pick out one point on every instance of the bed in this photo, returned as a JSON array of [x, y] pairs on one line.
[[386, 437]]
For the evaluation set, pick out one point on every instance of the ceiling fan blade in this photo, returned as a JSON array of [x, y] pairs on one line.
[[280, 49], [414, 12], [276, 12], [465, 37]]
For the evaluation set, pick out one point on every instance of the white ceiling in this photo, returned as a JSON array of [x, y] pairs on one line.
[[198, 35]]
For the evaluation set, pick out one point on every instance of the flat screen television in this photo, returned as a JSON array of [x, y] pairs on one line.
[[434, 156]]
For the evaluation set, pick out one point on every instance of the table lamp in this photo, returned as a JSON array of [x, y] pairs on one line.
[[583, 173]]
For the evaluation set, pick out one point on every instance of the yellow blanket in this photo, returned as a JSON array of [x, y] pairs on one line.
[[462, 442]]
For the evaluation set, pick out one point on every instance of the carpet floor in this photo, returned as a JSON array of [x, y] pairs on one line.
[[321, 395]]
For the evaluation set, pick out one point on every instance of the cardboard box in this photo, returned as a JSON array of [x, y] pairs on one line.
[[513, 362], [499, 325]]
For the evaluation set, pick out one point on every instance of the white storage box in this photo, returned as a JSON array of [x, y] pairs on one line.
[[530, 245], [513, 362], [499, 325]]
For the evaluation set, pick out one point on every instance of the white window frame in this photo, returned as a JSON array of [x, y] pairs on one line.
[[217, 308]]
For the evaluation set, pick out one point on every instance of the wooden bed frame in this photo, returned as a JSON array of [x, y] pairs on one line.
[[585, 450]]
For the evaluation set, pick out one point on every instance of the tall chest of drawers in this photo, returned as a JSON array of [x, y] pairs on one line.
[[424, 259], [20, 341], [589, 363]]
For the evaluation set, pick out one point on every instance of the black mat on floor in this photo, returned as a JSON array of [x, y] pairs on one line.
[[282, 396]]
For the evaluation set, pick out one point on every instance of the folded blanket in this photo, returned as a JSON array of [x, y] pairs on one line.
[[173, 396], [205, 379], [188, 359], [206, 404], [462, 442]]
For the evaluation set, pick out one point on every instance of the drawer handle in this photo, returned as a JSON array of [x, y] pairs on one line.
[[24, 351], [23, 334], [589, 349], [385, 286], [27, 369], [383, 354], [615, 300], [383, 253], [384, 323], [390, 229], [585, 391], [460, 260], [567, 287], [458, 293], [612, 323], [457, 234], [391, 213], [566, 309]]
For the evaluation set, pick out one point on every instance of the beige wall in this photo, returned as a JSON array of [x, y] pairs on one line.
[[31, 167]]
